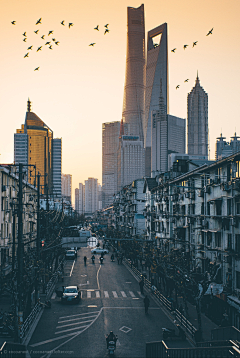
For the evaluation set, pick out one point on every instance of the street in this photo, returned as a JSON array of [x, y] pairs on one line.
[[111, 301]]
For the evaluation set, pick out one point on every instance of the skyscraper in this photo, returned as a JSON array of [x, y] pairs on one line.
[[110, 142], [67, 187], [156, 83], [134, 90], [197, 110], [91, 195], [224, 149], [34, 142], [57, 167]]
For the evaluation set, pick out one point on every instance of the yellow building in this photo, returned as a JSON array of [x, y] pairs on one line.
[[39, 146]]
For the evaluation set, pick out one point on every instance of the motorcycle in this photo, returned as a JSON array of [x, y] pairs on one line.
[[112, 257], [170, 333], [111, 346], [101, 260]]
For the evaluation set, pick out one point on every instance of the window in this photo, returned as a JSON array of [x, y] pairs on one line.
[[218, 207], [238, 207], [202, 208], [209, 239], [237, 279], [237, 243], [229, 242], [229, 207], [208, 208], [218, 239]]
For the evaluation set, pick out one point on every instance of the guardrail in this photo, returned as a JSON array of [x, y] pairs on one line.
[[29, 321], [160, 297]]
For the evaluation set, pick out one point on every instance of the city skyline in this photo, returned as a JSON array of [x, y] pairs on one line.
[[77, 87]]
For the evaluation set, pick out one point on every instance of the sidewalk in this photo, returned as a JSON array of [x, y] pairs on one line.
[[207, 324]]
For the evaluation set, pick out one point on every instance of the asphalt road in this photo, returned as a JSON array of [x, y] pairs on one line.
[[111, 300]]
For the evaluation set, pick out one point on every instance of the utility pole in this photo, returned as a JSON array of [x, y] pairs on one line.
[[38, 237], [20, 252]]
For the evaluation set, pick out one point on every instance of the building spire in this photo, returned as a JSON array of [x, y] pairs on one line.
[[197, 79], [29, 105]]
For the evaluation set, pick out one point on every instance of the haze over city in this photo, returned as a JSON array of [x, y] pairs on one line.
[[78, 87]]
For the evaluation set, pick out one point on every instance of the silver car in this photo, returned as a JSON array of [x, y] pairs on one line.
[[98, 250]]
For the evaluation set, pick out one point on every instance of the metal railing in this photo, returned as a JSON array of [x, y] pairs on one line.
[[29, 321], [185, 323]]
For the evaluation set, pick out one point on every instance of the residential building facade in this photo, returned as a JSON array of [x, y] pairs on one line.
[[67, 187], [57, 168]]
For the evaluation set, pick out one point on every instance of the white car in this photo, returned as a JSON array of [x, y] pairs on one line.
[[98, 250]]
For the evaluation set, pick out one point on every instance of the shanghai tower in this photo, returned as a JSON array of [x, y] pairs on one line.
[[134, 90]]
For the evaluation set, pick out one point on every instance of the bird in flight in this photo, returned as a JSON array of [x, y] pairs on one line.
[[26, 55], [50, 32], [39, 21], [57, 42], [194, 43], [30, 48], [36, 31], [185, 46], [107, 30], [39, 48], [25, 39], [106, 25], [70, 24], [96, 28], [210, 32], [186, 80], [177, 86], [62, 23], [13, 22], [24, 34], [54, 39], [155, 45], [42, 37], [173, 50], [36, 69], [47, 43], [92, 44], [50, 47]]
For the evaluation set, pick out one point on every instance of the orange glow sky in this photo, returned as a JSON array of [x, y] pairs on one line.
[[79, 87]]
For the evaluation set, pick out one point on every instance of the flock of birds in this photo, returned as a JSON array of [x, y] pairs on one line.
[[184, 47], [49, 42]]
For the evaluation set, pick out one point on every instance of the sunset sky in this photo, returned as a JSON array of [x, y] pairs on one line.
[[79, 87]]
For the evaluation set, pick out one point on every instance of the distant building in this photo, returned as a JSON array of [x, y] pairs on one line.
[[156, 83], [33, 144], [77, 200], [99, 197], [224, 149], [67, 187], [57, 167], [168, 136], [91, 195], [197, 120], [81, 198], [134, 89], [130, 160], [110, 142]]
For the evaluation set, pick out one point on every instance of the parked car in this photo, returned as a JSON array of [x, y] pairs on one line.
[[99, 250], [71, 294], [74, 249], [70, 255]]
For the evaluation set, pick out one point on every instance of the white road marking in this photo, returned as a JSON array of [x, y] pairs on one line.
[[53, 295], [97, 294], [73, 324], [80, 314], [97, 277], [140, 294], [123, 294], [76, 319], [88, 294], [132, 294], [71, 329], [106, 294], [115, 294], [52, 340], [72, 268]]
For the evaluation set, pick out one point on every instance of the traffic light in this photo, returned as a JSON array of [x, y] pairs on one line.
[[42, 242]]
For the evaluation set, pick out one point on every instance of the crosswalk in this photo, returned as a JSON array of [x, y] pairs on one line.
[[76, 322], [110, 294]]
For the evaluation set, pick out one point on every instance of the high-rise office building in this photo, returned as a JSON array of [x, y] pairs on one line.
[[156, 83], [224, 149], [168, 136], [110, 142], [91, 195], [57, 167], [130, 160], [77, 200], [134, 90], [197, 120], [34, 142], [67, 187], [81, 198]]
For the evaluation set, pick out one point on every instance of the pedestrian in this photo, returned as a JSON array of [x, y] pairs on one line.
[[118, 259], [141, 284], [146, 303], [85, 260], [121, 258]]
